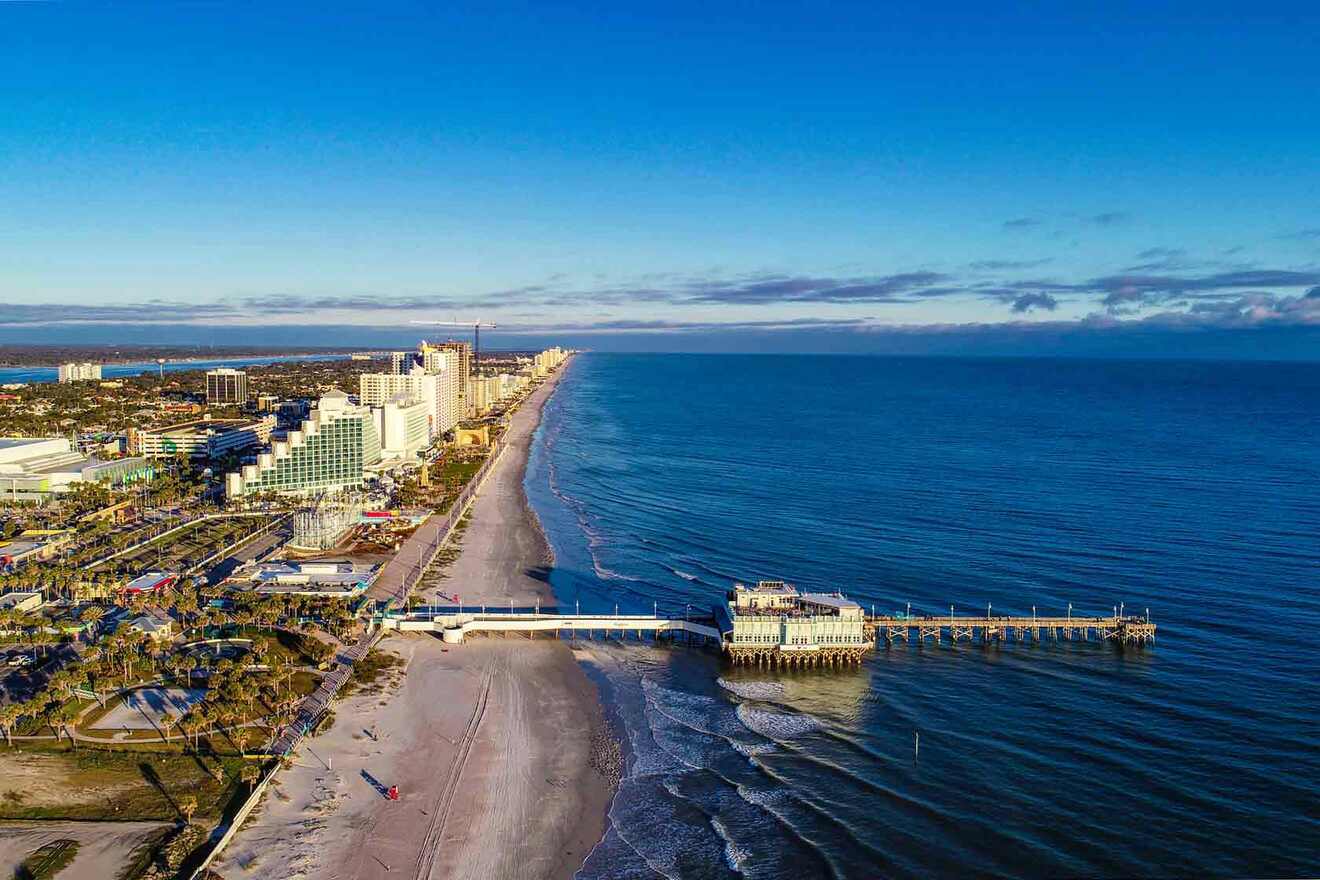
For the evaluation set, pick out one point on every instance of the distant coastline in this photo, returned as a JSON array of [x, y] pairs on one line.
[[47, 374], [34, 356]]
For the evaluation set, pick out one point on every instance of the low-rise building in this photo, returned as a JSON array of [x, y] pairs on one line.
[[156, 627], [33, 545], [201, 439], [22, 601], [37, 469], [151, 582], [325, 578]]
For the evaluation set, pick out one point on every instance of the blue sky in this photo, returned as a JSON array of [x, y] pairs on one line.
[[756, 175]]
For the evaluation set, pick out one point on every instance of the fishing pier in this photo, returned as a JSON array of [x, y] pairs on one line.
[[772, 624], [988, 629]]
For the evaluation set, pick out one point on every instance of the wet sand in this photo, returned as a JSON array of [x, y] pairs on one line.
[[496, 745]]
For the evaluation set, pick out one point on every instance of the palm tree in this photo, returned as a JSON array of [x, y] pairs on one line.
[[94, 614], [249, 774], [167, 721], [66, 714], [188, 806], [10, 713], [240, 736]]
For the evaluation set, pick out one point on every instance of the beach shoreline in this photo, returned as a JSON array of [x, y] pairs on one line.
[[501, 749]]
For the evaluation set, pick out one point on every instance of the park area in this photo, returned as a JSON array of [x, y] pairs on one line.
[[144, 708]]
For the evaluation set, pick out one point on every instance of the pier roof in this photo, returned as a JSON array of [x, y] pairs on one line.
[[830, 600]]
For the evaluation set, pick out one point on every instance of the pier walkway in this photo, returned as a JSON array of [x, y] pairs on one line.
[[990, 628], [455, 623]]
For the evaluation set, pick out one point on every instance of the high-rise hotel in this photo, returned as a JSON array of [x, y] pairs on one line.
[[329, 453]]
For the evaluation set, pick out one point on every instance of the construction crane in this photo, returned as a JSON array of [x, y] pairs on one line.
[[476, 334]]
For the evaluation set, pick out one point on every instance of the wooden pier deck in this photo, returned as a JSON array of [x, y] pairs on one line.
[[1129, 629]]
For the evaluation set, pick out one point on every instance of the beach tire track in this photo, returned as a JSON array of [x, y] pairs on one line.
[[444, 804]]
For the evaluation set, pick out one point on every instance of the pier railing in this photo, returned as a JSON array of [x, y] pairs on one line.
[[992, 628]]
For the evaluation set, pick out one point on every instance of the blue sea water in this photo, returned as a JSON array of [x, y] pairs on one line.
[[1189, 489]]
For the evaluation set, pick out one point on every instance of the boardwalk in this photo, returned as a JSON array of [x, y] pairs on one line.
[[401, 574], [318, 701]]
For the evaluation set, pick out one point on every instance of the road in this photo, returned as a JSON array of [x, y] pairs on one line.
[[245, 554]]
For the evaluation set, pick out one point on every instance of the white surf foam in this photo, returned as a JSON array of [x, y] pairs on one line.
[[776, 725], [753, 690]]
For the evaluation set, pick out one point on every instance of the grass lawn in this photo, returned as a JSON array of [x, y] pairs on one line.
[[53, 782], [290, 645], [47, 861], [368, 670]]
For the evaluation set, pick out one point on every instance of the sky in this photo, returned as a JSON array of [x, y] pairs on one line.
[[955, 177]]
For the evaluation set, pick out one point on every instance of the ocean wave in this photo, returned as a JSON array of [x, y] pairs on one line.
[[753, 690], [776, 725], [705, 715], [763, 797], [735, 856], [751, 750], [607, 574]]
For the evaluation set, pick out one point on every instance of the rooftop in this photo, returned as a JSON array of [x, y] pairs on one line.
[[829, 600], [218, 426]]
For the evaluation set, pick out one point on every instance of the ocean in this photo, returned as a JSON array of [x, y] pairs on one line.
[[1189, 489]]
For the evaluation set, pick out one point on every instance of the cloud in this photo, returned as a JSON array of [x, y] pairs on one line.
[[1303, 234], [653, 326], [1159, 259], [1028, 301], [1002, 265], [900, 287], [1129, 291], [150, 311], [1110, 218], [1019, 223]]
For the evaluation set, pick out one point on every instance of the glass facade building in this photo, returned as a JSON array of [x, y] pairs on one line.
[[330, 454]]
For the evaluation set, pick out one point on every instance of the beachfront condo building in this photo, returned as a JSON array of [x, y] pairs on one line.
[[438, 391], [78, 372], [548, 361], [226, 387], [329, 453], [404, 426]]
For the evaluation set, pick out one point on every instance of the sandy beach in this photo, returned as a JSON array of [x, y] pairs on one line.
[[499, 746]]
